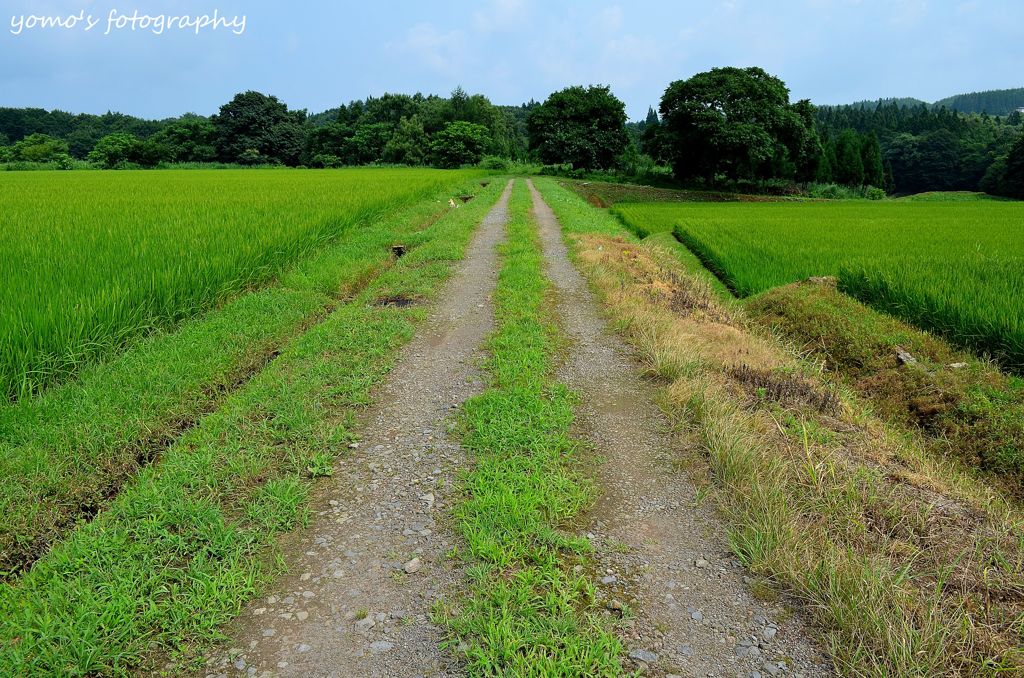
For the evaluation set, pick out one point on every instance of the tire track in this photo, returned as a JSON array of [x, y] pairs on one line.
[[660, 555], [364, 575]]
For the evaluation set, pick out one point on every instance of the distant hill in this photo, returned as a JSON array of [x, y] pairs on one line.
[[993, 102], [902, 102]]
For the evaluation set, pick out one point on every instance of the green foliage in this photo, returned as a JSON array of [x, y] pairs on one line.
[[583, 126], [832, 191], [81, 132], [923, 148], [993, 102], [1006, 175], [849, 167], [409, 143], [368, 142], [400, 129], [121, 256], [737, 122], [39, 148], [329, 145], [871, 155], [188, 139], [949, 267], [115, 150], [459, 143], [255, 127]]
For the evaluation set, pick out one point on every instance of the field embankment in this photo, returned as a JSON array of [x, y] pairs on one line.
[[954, 268], [958, 405], [909, 562], [123, 254], [185, 541]]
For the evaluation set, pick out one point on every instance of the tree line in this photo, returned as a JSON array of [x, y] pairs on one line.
[[928, 149], [256, 129], [725, 128]]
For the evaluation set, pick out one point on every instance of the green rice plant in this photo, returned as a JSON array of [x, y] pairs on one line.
[[92, 260], [952, 267], [66, 453]]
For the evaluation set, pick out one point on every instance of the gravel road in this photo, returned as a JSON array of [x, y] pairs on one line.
[[660, 552]]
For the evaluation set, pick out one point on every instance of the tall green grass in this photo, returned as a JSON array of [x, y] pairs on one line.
[[94, 259], [955, 268]]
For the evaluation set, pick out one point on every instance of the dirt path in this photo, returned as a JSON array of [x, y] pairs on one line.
[[659, 551], [363, 576]]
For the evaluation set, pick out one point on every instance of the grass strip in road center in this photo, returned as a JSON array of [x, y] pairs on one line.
[[529, 611]]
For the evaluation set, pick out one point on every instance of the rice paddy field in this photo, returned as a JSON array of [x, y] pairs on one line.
[[955, 268], [93, 259]]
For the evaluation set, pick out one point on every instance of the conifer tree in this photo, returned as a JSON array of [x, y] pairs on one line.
[[826, 166], [871, 156], [849, 167]]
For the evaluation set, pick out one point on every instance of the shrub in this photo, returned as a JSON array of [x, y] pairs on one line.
[[322, 160], [493, 162], [39, 148]]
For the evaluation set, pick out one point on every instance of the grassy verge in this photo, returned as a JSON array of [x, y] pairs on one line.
[[908, 563], [185, 543], [65, 454], [530, 610]]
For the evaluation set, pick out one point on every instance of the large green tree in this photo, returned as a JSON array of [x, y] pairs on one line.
[[254, 127], [871, 155], [1006, 175], [409, 144], [584, 126], [188, 139], [459, 143], [737, 122], [849, 167], [114, 150]]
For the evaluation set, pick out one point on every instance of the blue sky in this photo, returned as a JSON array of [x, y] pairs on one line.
[[316, 55]]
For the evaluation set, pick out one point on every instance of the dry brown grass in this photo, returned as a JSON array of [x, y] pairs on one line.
[[910, 564]]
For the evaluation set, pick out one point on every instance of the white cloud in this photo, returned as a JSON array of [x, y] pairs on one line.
[[609, 20], [441, 51], [501, 15]]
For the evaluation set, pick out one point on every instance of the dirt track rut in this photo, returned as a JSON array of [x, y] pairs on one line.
[[658, 551], [348, 607]]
